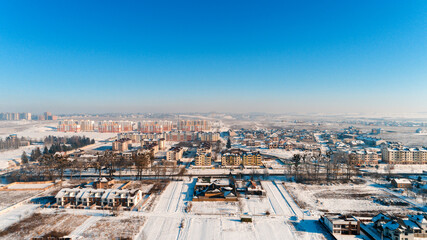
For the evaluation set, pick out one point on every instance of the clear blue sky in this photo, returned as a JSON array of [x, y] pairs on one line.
[[240, 56]]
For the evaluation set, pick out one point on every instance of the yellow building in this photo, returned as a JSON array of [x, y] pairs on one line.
[[231, 159], [252, 159], [174, 154], [364, 157], [209, 137], [404, 155], [203, 159]]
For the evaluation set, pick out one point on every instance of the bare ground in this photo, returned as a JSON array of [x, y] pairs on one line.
[[115, 228], [39, 225]]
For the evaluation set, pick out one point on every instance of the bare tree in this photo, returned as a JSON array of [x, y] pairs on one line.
[[141, 161], [110, 160], [315, 159], [328, 165], [296, 160], [47, 166], [99, 164], [351, 165], [61, 163]]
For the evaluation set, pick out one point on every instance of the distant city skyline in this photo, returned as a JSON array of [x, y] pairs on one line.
[[222, 56]]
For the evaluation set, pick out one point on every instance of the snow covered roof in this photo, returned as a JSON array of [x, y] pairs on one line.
[[380, 217], [402, 181], [420, 218], [392, 225], [411, 224], [81, 193]]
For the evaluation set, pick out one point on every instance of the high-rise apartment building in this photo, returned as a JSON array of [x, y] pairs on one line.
[[209, 136], [194, 125], [154, 126], [109, 127], [68, 125], [87, 125]]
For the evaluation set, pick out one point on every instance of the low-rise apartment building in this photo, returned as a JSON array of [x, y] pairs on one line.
[[236, 157], [231, 159], [205, 147], [366, 157], [396, 228], [88, 197], [404, 155], [203, 159], [341, 225], [174, 154], [251, 159], [122, 145]]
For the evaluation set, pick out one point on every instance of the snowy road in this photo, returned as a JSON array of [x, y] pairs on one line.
[[169, 219], [278, 202]]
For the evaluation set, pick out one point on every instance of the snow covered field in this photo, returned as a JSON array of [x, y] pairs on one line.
[[281, 153], [256, 205], [29, 186], [38, 130], [398, 168], [38, 225], [342, 198], [175, 216], [10, 217], [108, 227], [215, 208], [8, 198]]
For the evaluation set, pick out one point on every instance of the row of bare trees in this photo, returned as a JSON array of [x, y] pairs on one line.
[[53, 166], [316, 167]]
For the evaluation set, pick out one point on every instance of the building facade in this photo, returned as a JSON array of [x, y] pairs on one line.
[[203, 159], [174, 154], [231, 159], [122, 145], [154, 126], [194, 125], [251, 159], [87, 197], [68, 125], [404, 155]]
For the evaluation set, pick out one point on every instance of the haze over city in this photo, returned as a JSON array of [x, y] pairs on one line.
[[219, 120], [189, 56]]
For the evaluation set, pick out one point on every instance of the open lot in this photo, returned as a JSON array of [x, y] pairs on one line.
[[220, 208], [39, 225], [357, 199], [112, 228], [173, 215], [8, 198]]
